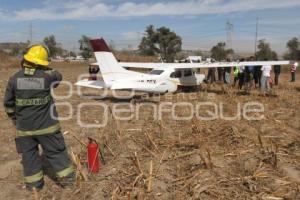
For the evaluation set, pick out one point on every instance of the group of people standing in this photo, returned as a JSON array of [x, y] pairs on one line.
[[247, 76]]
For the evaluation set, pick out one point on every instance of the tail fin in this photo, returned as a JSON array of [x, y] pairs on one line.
[[109, 66]]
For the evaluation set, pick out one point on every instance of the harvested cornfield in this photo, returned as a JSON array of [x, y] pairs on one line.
[[158, 157]]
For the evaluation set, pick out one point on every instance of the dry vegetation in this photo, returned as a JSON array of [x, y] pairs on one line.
[[168, 159], [8, 61]]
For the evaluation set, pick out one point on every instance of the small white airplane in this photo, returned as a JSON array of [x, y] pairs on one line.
[[164, 77]]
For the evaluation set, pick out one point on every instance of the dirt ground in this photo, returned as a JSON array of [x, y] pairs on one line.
[[148, 158]]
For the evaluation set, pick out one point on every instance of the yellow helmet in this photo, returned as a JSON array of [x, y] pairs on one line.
[[37, 54]]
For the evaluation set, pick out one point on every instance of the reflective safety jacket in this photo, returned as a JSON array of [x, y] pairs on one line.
[[236, 71], [29, 103]]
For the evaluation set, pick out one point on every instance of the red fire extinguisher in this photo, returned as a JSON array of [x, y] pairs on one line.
[[93, 156]]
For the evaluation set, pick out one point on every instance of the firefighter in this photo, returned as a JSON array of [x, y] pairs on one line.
[[28, 102]]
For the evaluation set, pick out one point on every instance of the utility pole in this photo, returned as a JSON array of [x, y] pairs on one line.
[[229, 30], [256, 34]]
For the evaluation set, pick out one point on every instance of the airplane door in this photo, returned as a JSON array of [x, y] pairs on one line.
[[188, 77], [176, 76]]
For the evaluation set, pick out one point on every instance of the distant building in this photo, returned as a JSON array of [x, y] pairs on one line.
[[194, 59]]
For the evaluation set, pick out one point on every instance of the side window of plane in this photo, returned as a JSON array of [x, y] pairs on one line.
[[176, 74], [187, 72], [172, 75]]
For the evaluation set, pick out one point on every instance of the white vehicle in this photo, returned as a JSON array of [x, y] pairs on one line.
[[194, 59], [79, 58], [164, 77], [70, 58]]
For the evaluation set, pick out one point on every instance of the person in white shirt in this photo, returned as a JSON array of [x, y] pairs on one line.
[[293, 71], [266, 74]]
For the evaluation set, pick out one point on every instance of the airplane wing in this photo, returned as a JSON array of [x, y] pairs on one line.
[[91, 84], [201, 65], [230, 64], [143, 65]]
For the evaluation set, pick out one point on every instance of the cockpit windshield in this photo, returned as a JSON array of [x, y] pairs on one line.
[[156, 72]]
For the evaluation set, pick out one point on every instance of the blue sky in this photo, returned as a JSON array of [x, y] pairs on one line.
[[200, 23]]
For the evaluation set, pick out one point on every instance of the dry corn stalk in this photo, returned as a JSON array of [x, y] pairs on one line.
[[191, 180], [137, 163], [161, 126], [209, 158], [77, 138], [151, 140], [109, 149], [150, 177], [260, 175], [261, 147], [35, 194], [115, 192], [76, 160]]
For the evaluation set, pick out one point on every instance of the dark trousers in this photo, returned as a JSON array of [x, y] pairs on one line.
[[276, 78], [257, 77], [54, 149], [236, 78], [293, 76], [241, 80], [211, 75], [220, 74]]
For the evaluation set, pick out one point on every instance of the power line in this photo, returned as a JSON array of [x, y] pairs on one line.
[[30, 32], [256, 35]]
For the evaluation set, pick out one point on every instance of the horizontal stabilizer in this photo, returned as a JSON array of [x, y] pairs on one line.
[[91, 84]]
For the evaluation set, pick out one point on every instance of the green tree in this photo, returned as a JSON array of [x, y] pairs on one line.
[[51, 43], [293, 49], [85, 47], [72, 53], [148, 43], [219, 52], [169, 44], [265, 52], [161, 41], [198, 53], [181, 55]]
